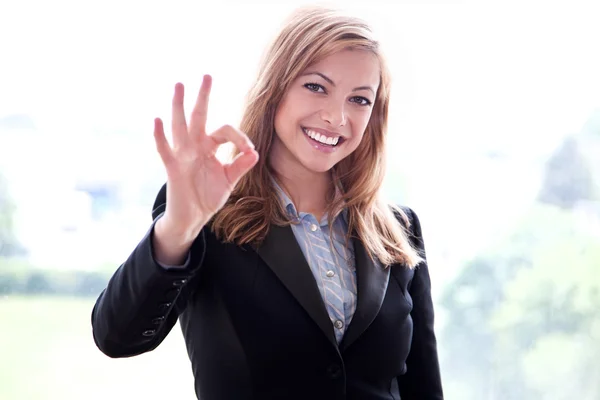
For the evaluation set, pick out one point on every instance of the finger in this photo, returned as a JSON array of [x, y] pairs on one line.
[[240, 165], [200, 112], [178, 123], [162, 145], [228, 133]]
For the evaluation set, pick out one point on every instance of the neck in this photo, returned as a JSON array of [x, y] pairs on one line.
[[308, 190]]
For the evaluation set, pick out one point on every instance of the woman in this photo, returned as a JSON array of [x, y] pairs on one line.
[[290, 276]]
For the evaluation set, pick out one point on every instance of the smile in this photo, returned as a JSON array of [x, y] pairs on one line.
[[322, 139]]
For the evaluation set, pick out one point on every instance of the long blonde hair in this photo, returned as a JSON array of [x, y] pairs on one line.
[[310, 35]]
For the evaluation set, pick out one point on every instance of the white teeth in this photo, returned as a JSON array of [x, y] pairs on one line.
[[322, 138]]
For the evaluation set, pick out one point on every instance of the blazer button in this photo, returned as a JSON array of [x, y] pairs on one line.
[[149, 332], [334, 371], [158, 320]]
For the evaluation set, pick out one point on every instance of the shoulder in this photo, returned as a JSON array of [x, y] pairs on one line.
[[406, 216], [411, 224]]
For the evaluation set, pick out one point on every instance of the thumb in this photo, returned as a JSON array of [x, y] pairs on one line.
[[240, 165]]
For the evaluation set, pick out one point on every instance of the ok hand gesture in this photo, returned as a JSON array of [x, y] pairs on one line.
[[198, 184]]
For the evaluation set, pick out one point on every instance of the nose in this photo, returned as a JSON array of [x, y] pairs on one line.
[[334, 113]]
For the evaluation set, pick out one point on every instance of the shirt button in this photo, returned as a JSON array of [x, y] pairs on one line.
[[330, 273], [338, 324], [313, 227]]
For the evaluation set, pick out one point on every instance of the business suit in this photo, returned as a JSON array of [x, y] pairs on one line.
[[256, 327]]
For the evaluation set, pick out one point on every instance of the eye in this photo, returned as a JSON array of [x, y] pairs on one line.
[[361, 101], [315, 87]]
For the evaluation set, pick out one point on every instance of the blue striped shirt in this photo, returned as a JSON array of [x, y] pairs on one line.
[[331, 262]]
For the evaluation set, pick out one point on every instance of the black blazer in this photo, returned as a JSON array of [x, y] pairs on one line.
[[256, 327]]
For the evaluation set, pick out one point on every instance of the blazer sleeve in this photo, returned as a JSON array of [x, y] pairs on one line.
[[142, 300], [422, 380]]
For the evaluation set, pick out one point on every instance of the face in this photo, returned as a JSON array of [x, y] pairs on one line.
[[324, 113]]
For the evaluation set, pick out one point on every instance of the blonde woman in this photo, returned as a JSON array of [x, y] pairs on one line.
[[290, 275]]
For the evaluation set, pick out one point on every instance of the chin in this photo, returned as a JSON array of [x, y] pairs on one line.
[[318, 167], [321, 170]]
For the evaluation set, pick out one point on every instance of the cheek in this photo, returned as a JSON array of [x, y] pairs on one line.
[[282, 117], [356, 141], [359, 125], [365, 118], [358, 137], [287, 115], [360, 115]]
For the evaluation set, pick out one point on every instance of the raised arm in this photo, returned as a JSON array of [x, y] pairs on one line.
[[143, 300], [145, 296]]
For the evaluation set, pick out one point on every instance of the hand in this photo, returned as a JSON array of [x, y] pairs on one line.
[[198, 184]]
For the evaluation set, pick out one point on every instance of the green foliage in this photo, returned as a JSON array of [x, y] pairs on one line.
[[555, 305], [22, 278], [526, 309], [524, 316]]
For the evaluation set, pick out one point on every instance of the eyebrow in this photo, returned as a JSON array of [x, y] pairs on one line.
[[326, 78]]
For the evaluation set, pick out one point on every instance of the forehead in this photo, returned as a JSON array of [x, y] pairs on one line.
[[349, 67]]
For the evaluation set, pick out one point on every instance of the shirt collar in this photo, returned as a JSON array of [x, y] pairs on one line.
[[289, 206], [285, 200]]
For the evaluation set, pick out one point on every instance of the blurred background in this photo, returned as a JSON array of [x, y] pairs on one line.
[[494, 141]]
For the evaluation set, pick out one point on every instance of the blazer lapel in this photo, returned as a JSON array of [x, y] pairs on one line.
[[372, 280], [281, 252]]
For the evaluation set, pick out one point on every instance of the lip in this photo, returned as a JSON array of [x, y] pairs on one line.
[[319, 146]]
